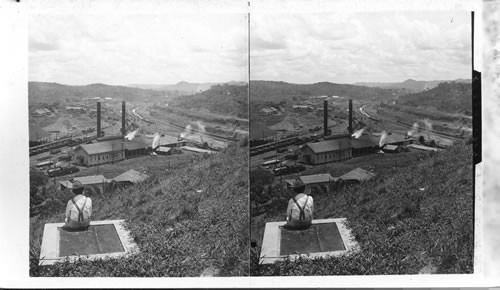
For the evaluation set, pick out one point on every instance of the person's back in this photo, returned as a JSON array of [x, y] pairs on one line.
[[300, 210], [78, 209]]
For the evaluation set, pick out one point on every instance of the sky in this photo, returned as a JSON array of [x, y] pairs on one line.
[[120, 49], [383, 46]]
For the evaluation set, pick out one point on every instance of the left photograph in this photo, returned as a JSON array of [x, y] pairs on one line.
[[138, 145]]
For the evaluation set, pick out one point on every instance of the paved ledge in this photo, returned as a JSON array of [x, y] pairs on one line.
[[50, 249], [271, 243]]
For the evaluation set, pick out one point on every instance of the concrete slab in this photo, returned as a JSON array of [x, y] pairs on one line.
[[103, 239], [326, 237]]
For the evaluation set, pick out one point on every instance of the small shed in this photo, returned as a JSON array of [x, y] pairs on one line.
[[130, 177], [319, 182], [94, 183], [391, 149], [356, 176], [163, 150]]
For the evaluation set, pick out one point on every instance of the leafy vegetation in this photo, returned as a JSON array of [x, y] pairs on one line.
[[415, 217], [54, 92], [223, 99], [183, 221], [448, 97], [272, 90]]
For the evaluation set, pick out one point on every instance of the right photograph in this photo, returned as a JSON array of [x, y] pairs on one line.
[[361, 143]]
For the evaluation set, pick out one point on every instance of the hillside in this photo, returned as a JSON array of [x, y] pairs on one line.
[[413, 218], [184, 88], [222, 99], [448, 97], [181, 87], [54, 92], [409, 86], [180, 232], [273, 91]]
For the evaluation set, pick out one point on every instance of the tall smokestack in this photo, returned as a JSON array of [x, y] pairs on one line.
[[350, 117], [98, 119], [325, 117], [123, 119]]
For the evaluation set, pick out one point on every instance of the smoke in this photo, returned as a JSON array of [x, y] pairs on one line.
[[358, 133], [414, 129], [428, 124], [187, 131], [201, 127], [383, 138], [131, 135], [156, 141]]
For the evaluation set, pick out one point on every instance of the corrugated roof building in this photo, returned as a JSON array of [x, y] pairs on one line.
[[94, 183], [326, 151], [131, 176], [357, 175], [109, 151]]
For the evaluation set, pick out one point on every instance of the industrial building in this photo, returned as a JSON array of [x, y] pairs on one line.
[[94, 183], [73, 109], [326, 151], [41, 112], [355, 176], [109, 151], [129, 177]]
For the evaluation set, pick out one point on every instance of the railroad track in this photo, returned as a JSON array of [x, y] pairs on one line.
[[142, 118]]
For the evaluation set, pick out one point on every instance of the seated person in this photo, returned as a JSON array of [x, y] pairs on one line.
[[78, 209], [300, 209]]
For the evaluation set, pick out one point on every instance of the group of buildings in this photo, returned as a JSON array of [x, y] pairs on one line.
[[98, 183], [344, 147], [324, 182]]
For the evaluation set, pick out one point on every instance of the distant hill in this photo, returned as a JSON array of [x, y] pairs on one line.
[[183, 87], [410, 85], [52, 92], [450, 97], [273, 90], [223, 99]]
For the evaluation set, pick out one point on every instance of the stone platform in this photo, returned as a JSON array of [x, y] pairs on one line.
[[102, 239], [325, 237]]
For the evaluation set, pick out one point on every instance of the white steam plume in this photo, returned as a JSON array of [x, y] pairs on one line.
[[156, 141], [358, 133], [201, 127], [383, 138], [187, 131], [428, 124], [414, 129], [131, 135]]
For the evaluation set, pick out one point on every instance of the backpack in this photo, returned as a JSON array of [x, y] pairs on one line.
[[80, 211]]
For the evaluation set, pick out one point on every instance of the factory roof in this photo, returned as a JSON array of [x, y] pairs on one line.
[[85, 180], [390, 147], [330, 145], [112, 146], [163, 149], [132, 176], [358, 174], [365, 141], [317, 178], [199, 150], [421, 147]]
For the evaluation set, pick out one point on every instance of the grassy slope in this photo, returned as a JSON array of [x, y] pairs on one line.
[[179, 232], [400, 229]]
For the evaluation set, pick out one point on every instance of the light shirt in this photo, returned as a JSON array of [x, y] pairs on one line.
[[305, 202], [72, 212]]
